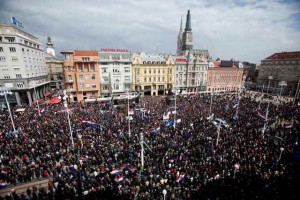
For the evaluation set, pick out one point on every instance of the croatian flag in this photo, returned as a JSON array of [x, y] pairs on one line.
[[261, 115], [155, 130], [132, 169], [116, 171], [90, 123], [180, 178], [2, 185], [120, 178]]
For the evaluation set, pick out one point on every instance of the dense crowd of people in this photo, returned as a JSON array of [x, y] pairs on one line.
[[186, 154]]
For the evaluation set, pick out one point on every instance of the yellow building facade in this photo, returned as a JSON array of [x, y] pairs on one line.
[[153, 74]]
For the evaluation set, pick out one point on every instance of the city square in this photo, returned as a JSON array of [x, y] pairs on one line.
[[85, 116]]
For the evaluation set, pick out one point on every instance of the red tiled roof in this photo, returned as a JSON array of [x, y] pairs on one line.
[[85, 53], [284, 55]]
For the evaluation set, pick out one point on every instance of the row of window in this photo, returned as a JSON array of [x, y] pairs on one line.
[[154, 79]]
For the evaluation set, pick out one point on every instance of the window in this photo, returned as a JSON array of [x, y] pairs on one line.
[[17, 69], [104, 70], [149, 71], [81, 85], [12, 49], [93, 76], [6, 76], [87, 76], [159, 71], [2, 59], [145, 79], [85, 59], [10, 39], [88, 85], [105, 78], [145, 71], [20, 85], [1, 49], [14, 59], [163, 78], [80, 67], [154, 71], [92, 67], [18, 75], [127, 69], [70, 77], [93, 85], [81, 77], [154, 79], [71, 86], [158, 79]]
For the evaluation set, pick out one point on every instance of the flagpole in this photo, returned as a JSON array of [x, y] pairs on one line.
[[142, 149], [129, 133], [211, 96], [266, 120], [175, 110]]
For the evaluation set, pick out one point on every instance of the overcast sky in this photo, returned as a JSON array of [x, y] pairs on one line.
[[246, 30]]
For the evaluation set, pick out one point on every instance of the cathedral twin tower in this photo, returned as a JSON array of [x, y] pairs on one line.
[[185, 38]]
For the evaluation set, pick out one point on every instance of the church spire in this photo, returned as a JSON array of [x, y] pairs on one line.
[[50, 48], [188, 26], [180, 25], [179, 39]]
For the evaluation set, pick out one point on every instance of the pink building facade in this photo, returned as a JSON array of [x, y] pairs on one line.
[[225, 76]]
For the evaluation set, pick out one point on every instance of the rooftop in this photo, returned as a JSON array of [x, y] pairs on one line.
[[285, 55]]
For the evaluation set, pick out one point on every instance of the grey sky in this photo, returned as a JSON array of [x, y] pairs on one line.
[[247, 30]]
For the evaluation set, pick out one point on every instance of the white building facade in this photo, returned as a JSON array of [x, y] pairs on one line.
[[22, 65], [191, 72], [115, 71]]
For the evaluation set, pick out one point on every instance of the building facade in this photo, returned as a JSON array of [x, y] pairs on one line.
[[191, 72], [115, 71], [153, 74], [224, 76], [284, 66], [55, 67], [22, 65], [81, 74]]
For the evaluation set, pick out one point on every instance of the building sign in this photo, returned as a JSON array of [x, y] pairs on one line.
[[113, 50], [181, 59], [15, 22]]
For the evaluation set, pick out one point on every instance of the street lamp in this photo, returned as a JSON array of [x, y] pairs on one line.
[[164, 193], [282, 83], [129, 132], [3, 92], [270, 78], [65, 97], [175, 109], [38, 105], [281, 150]]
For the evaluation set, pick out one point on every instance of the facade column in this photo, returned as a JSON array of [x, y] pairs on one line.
[[18, 98], [29, 97]]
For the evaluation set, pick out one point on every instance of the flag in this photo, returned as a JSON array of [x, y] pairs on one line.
[[235, 105], [90, 123], [119, 178], [261, 115], [169, 123], [2, 184], [288, 126], [130, 112], [155, 131], [116, 171], [132, 169], [180, 178]]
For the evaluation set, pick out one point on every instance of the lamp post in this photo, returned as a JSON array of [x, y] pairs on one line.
[[3, 92], [211, 96], [270, 78], [175, 109], [38, 105], [282, 83], [164, 193], [281, 150], [65, 97], [129, 132]]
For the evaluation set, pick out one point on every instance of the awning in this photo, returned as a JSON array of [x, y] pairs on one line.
[[47, 94], [54, 100]]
